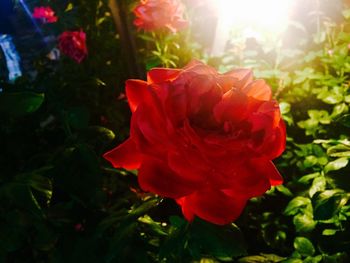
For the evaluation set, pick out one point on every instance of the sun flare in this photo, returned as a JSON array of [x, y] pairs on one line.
[[252, 17]]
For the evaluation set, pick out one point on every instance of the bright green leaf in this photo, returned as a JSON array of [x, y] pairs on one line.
[[304, 246], [319, 184], [336, 165]]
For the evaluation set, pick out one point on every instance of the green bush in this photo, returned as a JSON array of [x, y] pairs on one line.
[[61, 202]]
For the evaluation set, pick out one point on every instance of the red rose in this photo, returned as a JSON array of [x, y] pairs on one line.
[[45, 13], [203, 138], [159, 14], [73, 44]]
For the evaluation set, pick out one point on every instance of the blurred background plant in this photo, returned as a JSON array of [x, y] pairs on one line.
[[61, 202]]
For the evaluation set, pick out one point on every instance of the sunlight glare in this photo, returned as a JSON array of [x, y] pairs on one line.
[[253, 16], [270, 14]]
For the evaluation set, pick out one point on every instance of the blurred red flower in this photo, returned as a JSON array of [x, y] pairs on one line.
[[45, 13], [154, 15], [203, 138], [73, 44]]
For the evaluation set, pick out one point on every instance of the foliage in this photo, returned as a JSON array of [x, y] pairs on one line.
[[61, 202]]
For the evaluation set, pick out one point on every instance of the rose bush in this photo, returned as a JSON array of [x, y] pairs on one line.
[[203, 138], [160, 14], [73, 44], [45, 14]]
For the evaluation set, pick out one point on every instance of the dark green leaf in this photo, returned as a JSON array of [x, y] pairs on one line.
[[16, 104]]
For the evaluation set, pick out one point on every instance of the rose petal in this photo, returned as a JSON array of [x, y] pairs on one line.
[[251, 179], [160, 75], [212, 205], [176, 99], [242, 77], [136, 92], [189, 166], [155, 176], [149, 127], [268, 170], [259, 90], [232, 107], [197, 67], [126, 155]]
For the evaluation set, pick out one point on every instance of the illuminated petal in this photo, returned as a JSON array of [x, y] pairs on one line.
[[136, 92], [232, 107], [259, 90], [160, 75], [126, 155], [242, 77]]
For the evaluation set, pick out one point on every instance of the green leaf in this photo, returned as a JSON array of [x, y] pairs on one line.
[[98, 135], [304, 246], [310, 161], [306, 178], [144, 207], [339, 110], [292, 260], [284, 190], [329, 232], [327, 204], [339, 150], [333, 98], [296, 204], [224, 243], [263, 258], [336, 165], [69, 7], [284, 107], [304, 222], [154, 226], [313, 259], [319, 184], [17, 104]]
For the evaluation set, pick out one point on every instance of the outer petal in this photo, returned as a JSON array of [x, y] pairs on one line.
[[268, 170], [155, 176], [268, 130], [149, 129], [252, 179], [126, 155], [212, 205], [136, 92], [198, 67], [159, 75], [242, 77], [259, 90]]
